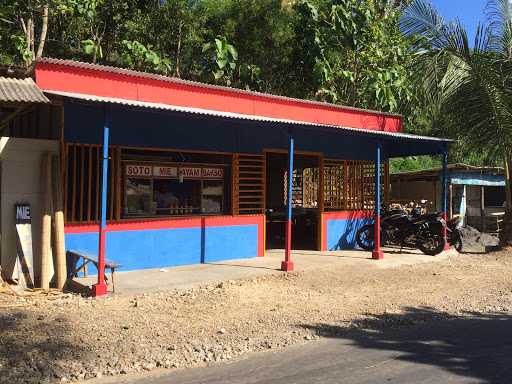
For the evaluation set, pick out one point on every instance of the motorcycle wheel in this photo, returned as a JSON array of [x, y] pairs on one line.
[[456, 240], [365, 238], [433, 244]]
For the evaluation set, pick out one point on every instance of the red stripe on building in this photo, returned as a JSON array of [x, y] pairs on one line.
[[189, 222], [108, 82], [347, 215]]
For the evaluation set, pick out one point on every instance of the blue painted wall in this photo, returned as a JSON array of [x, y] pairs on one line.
[[341, 234], [156, 248]]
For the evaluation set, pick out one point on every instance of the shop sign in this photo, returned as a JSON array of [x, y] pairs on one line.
[[190, 172], [212, 173], [135, 170], [139, 170], [164, 171]]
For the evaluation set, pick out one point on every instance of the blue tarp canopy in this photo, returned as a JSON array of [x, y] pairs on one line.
[[473, 178]]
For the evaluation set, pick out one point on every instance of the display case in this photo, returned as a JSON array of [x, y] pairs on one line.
[[173, 190]]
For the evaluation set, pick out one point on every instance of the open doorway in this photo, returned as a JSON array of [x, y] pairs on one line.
[[305, 186]]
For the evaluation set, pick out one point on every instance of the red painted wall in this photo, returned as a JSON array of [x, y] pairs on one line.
[[105, 83]]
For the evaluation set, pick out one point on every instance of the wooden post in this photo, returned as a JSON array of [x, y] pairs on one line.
[[482, 208], [321, 200], [235, 184], [46, 224], [450, 200], [59, 250], [387, 183]]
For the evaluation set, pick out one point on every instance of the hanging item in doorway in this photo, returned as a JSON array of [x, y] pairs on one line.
[[24, 255]]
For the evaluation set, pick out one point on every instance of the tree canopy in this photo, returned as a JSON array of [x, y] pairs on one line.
[[347, 52], [350, 52]]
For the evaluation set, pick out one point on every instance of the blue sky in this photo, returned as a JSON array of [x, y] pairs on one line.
[[470, 12]]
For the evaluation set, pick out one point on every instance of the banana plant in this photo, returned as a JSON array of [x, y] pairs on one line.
[[221, 58]]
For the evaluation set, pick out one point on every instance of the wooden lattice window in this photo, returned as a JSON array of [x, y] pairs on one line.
[[305, 187], [350, 185], [82, 183], [334, 184], [248, 187]]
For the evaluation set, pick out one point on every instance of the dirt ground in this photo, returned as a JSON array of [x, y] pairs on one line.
[[67, 338]]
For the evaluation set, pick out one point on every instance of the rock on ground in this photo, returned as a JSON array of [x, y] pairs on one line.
[[475, 241]]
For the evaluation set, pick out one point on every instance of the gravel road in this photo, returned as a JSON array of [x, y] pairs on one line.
[[67, 338]]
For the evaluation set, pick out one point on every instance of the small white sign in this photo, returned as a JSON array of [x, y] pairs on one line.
[[212, 173], [139, 170], [163, 171], [24, 271], [190, 172], [22, 213]]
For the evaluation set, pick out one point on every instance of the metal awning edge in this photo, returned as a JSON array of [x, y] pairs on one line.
[[232, 115]]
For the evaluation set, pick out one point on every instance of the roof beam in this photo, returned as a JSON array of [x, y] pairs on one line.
[[24, 108]]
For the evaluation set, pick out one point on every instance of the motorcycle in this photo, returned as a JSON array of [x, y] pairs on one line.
[[413, 230], [454, 233]]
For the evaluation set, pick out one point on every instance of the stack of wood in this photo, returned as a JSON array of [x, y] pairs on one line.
[[52, 256], [52, 213], [4, 287]]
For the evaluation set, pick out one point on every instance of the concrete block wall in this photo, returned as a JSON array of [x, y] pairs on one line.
[[20, 167]]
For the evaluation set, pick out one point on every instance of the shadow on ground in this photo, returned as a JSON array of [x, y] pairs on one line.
[[473, 345], [35, 348]]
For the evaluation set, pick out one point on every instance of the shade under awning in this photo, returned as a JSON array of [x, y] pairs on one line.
[[238, 116]]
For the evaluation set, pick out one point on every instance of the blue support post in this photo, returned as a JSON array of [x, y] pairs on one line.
[[377, 253], [445, 182], [445, 197], [100, 288], [287, 264]]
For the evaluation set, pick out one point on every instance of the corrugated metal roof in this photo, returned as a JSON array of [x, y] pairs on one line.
[[20, 91], [455, 167], [175, 80], [232, 115]]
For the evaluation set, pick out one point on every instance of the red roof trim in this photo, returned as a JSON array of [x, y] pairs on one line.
[[91, 79]]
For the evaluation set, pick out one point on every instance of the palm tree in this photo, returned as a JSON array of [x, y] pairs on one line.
[[468, 87]]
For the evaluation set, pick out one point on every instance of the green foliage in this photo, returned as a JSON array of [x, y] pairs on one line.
[[221, 60], [139, 57], [356, 52], [349, 52], [20, 44], [468, 87], [413, 163]]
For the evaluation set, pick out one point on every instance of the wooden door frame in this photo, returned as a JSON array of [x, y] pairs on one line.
[[320, 206]]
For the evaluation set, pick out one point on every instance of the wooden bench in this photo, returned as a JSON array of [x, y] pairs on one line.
[[74, 266]]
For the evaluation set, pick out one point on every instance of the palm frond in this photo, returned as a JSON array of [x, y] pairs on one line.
[[499, 16], [420, 18]]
